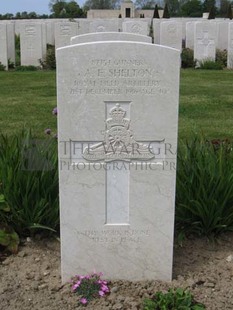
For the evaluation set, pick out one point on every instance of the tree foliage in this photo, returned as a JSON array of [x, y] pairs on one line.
[[63, 9], [173, 7], [166, 12], [145, 4], [192, 8], [156, 12], [101, 4], [229, 11]]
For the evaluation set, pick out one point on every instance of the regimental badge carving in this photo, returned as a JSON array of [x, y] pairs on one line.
[[100, 28], [119, 143], [30, 30], [136, 28]]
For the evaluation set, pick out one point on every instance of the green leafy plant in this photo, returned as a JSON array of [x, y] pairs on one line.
[[26, 68], [2, 67], [221, 57], [50, 59], [29, 182], [204, 187], [89, 287], [187, 58], [8, 237], [210, 65], [178, 299]]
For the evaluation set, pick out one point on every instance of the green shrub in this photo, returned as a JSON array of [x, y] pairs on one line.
[[26, 68], [11, 64], [50, 60], [9, 239], [210, 65], [172, 300], [2, 67], [204, 187], [17, 50], [166, 13], [29, 182], [221, 57], [187, 58]]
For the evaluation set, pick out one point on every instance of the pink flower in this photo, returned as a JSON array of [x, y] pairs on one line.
[[76, 285], [104, 288], [83, 301], [101, 293]]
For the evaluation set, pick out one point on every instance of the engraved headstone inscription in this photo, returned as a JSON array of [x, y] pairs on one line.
[[31, 43], [117, 133], [204, 41]]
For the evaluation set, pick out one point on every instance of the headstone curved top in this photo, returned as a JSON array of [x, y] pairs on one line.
[[110, 36], [117, 134]]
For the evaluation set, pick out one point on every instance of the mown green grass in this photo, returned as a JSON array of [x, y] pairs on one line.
[[206, 102], [27, 100]]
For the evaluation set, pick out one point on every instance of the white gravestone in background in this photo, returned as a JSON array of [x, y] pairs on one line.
[[189, 38], [222, 35], [3, 45], [50, 35], [64, 31], [171, 34], [103, 25], [10, 28], [204, 40], [137, 27], [110, 36], [230, 46], [31, 44], [117, 128]]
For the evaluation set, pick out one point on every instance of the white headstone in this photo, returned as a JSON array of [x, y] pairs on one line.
[[50, 33], [10, 40], [171, 34], [83, 25], [103, 25], [110, 36], [230, 46], [204, 40], [31, 43], [138, 27], [3, 45], [222, 35], [118, 114], [64, 31], [156, 30], [189, 39]]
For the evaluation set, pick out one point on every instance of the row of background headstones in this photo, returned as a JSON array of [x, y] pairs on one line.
[[203, 36]]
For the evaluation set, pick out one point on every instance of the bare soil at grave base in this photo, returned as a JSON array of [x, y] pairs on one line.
[[30, 280]]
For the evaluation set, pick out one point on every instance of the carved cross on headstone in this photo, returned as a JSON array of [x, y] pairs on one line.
[[206, 42], [31, 49], [118, 152]]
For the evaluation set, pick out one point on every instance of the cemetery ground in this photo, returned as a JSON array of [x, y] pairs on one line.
[[31, 278]]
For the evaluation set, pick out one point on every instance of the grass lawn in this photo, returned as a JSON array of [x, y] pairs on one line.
[[206, 102]]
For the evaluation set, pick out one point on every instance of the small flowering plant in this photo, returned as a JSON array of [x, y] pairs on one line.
[[89, 287]]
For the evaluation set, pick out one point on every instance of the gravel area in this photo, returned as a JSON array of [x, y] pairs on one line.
[[30, 280]]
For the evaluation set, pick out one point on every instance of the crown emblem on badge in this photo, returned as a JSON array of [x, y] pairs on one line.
[[117, 115], [119, 143]]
